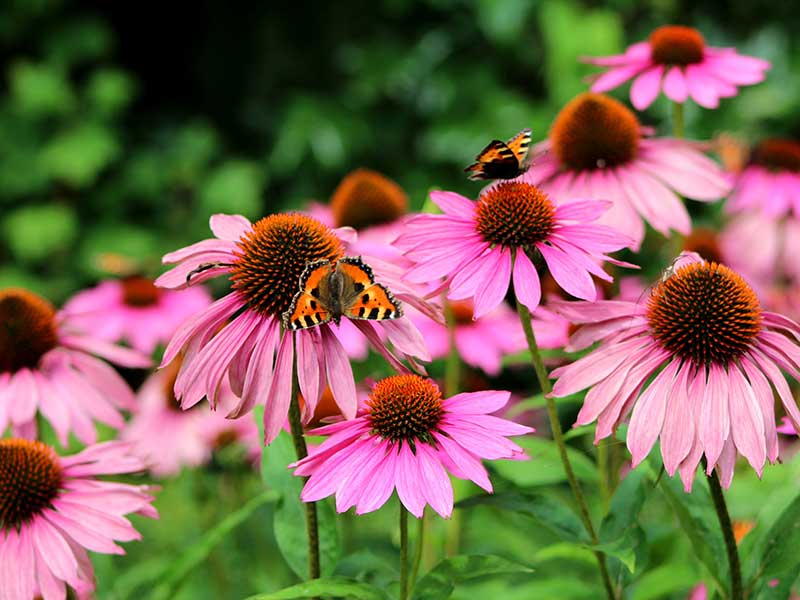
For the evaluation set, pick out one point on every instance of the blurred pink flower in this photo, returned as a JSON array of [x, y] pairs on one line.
[[240, 336], [134, 310], [770, 183], [54, 510], [677, 61], [598, 149], [407, 437], [46, 365], [787, 428], [721, 356], [479, 246], [167, 438]]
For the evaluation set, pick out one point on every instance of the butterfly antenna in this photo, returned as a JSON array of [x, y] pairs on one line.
[[204, 267]]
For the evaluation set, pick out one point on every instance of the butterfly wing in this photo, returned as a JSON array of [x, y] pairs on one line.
[[519, 145], [309, 307], [494, 162], [362, 298]]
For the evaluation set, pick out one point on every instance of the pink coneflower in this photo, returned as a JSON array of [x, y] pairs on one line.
[[53, 509], [481, 343], [478, 246], [134, 310], [47, 366], [770, 183], [240, 335], [786, 427], [715, 354], [407, 437], [598, 149], [168, 438], [676, 60]]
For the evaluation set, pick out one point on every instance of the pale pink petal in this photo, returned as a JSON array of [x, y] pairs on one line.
[[648, 414], [229, 227], [340, 374], [527, 287], [453, 204], [675, 87], [645, 87], [280, 390], [678, 432], [714, 425], [747, 426], [573, 279]]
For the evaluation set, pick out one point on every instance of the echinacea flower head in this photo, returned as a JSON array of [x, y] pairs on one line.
[[770, 183], [598, 149], [47, 366], [167, 438], [240, 336], [479, 246], [714, 356], [677, 61], [366, 198], [134, 310], [407, 437], [53, 509]]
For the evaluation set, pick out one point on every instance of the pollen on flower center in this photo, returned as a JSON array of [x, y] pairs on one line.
[[676, 45], [515, 214], [706, 313], [272, 256], [365, 198], [30, 479], [462, 311], [139, 291], [594, 131], [27, 329], [703, 240], [405, 408], [778, 155]]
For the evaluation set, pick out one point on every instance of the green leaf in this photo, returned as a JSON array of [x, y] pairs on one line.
[[110, 90], [41, 90], [548, 511], [545, 466], [78, 155], [336, 587], [625, 506], [777, 548], [621, 548], [665, 581], [199, 551], [233, 187], [440, 581], [35, 233], [699, 522]]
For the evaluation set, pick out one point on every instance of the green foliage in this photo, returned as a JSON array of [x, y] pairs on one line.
[[440, 582]]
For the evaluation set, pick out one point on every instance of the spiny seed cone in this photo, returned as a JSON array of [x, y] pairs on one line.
[[706, 313], [30, 479], [676, 45], [594, 131], [365, 198], [778, 155], [273, 255], [514, 214], [405, 408], [27, 329]]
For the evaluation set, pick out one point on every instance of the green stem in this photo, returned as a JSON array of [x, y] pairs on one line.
[[415, 563], [403, 552], [727, 531], [603, 465], [677, 119], [312, 524], [558, 437]]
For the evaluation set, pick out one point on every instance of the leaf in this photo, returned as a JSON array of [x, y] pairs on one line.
[[548, 511], [625, 506], [698, 520], [35, 233], [545, 466], [440, 581], [336, 587], [110, 90], [41, 90], [621, 548], [77, 156], [665, 581], [199, 551], [233, 187], [777, 548]]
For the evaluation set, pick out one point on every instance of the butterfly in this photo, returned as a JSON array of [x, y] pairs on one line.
[[329, 291], [502, 160]]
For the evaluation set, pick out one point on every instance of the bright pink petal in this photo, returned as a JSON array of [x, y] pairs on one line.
[[646, 86], [229, 227], [675, 87], [453, 204], [572, 279], [340, 374], [527, 287]]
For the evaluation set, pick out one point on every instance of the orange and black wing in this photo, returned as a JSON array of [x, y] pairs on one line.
[[519, 145], [496, 161], [367, 299], [308, 307]]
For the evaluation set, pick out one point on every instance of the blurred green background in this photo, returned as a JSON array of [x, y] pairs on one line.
[[125, 125]]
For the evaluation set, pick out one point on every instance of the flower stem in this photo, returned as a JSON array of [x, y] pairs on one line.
[[403, 552], [603, 466], [727, 532], [418, 549], [312, 525], [558, 437], [677, 119]]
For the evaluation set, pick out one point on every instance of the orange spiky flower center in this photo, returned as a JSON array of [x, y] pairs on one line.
[[27, 329], [272, 256], [515, 214], [594, 131], [365, 197], [463, 311], [778, 155], [405, 408], [705, 313], [676, 45], [139, 291], [30, 479], [703, 240]]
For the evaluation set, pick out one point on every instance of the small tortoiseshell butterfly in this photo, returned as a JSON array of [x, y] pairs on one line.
[[502, 160], [329, 291]]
